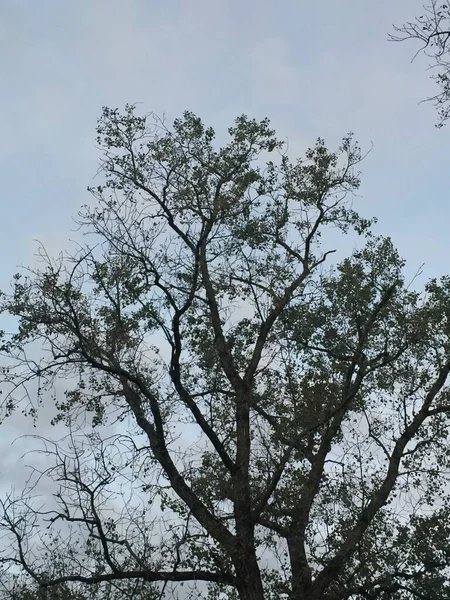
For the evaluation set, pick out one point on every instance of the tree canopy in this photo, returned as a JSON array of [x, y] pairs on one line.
[[270, 419]]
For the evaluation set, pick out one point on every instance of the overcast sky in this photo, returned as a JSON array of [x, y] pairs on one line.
[[315, 68]]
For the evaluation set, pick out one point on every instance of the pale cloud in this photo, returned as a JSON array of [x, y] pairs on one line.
[[272, 75]]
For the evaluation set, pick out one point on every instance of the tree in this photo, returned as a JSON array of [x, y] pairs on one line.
[[278, 422], [29, 590], [432, 31], [33, 592]]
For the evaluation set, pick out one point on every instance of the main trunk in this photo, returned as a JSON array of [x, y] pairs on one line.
[[249, 585], [301, 573]]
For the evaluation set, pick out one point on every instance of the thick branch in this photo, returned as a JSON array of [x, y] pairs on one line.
[[146, 575], [266, 494], [280, 303], [382, 493], [157, 442], [225, 356]]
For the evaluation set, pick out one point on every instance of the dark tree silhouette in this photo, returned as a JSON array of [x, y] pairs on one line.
[[278, 422]]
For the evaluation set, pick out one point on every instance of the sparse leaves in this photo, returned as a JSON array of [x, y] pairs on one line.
[[432, 30]]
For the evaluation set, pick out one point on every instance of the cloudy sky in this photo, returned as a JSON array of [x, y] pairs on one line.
[[316, 68]]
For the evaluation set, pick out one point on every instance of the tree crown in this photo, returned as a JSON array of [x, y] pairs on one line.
[[274, 412]]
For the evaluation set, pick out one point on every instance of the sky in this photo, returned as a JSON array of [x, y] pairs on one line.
[[314, 68]]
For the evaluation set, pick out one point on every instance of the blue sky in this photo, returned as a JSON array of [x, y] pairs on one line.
[[315, 68]]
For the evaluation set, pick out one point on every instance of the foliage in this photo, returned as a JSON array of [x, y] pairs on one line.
[[267, 423]]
